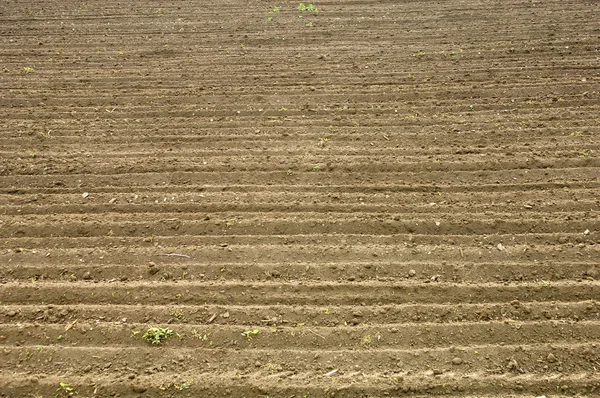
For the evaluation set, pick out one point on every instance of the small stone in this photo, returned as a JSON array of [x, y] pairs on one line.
[[457, 361], [586, 232], [11, 313], [113, 200], [153, 270], [528, 206], [225, 314], [274, 273], [85, 195], [412, 273], [139, 389], [223, 245], [131, 376], [87, 276], [500, 247], [551, 358], [437, 372], [592, 272]]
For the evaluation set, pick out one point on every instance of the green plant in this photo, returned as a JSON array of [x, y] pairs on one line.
[[186, 385], [250, 333], [366, 340], [156, 335], [65, 390], [200, 336], [311, 8], [28, 69], [183, 386], [276, 9]]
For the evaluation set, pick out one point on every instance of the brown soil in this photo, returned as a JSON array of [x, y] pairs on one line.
[[401, 197]]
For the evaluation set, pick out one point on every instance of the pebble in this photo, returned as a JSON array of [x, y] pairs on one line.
[[11, 313], [456, 361], [85, 194], [551, 358], [139, 389], [412, 273]]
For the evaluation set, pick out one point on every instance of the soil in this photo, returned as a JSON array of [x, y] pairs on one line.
[[393, 198]]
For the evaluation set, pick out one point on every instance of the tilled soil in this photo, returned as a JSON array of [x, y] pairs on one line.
[[375, 199]]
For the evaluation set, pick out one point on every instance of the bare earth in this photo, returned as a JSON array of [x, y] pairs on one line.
[[394, 198]]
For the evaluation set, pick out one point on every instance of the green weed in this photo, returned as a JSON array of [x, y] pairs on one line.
[[65, 390], [310, 8], [249, 334], [156, 335], [180, 387]]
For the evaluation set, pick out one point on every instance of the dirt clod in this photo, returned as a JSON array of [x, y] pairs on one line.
[[457, 361]]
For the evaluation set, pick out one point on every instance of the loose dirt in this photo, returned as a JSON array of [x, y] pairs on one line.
[[375, 199]]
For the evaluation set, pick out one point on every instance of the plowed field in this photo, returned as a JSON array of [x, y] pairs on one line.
[[366, 199]]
